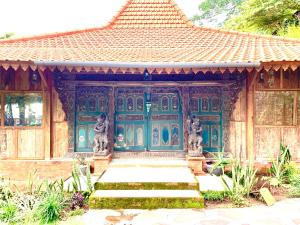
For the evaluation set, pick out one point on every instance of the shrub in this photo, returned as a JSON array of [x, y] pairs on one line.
[[8, 212], [278, 170], [77, 201], [214, 195], [5, 192], [243, 180], [50, 208]]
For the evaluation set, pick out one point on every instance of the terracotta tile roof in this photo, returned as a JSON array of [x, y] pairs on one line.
[[151, 31]]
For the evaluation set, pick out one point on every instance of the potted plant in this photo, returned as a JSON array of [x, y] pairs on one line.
[[219, 162], [82, 164]]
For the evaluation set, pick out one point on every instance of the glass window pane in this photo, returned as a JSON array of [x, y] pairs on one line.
[[23, 110], [274, 108]]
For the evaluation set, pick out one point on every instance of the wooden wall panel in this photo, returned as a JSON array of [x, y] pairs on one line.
[[237, 133], [266, 142], [291, 138], [22, 80], [59, 128], [58, 113], [237, 139], [60, 139], [31, 144]]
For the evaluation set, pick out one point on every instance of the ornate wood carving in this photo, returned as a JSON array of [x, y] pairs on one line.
[[229, 98], [67, 93]]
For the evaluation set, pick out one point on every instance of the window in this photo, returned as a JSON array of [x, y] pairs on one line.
[[23, 109], [274, 108]]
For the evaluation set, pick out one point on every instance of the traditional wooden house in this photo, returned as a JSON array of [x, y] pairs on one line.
[[149, 70]]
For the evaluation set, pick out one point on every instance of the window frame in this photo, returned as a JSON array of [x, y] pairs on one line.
[[2, 96]]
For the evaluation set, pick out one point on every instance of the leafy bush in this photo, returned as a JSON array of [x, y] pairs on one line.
[[8, 212], [77, 201], [278, 168], [5, 192], [243, 180], [50, 208], [214, 195]]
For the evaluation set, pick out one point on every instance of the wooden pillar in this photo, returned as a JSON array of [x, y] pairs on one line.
[[47, 105], [185, 107], [251, 80], [111, 114]]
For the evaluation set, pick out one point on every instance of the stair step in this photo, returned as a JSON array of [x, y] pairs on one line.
[[148, 163], [146, 186], [145, 199], [148, 175]]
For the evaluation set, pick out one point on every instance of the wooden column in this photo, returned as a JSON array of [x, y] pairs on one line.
[[251, 80], [185, 107], [111, 114], [47, 105]]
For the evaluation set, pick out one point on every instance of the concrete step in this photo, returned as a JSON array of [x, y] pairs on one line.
[[148, 175], [148, 163], [145, 199]]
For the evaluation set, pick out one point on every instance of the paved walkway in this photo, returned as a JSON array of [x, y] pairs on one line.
[[286, 212]]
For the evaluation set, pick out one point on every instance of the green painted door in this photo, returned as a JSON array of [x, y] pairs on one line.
[[208, 108], [90, 103], [148, 119]]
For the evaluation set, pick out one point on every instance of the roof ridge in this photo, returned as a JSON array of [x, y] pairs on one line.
[[132, 13]]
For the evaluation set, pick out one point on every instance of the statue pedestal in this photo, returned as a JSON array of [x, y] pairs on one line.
[[101, 163], [196, 163]]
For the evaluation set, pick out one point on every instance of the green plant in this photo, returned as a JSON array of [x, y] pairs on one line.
[[220, 161], [8, 212], [50, 208], [243, 180], [76, 212], [214, 195], [278, 168], [5, 191], [81, 159], [34, 184]]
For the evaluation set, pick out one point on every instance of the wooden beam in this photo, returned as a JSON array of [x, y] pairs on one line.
[[253, 79], [281, 78], [44, 80], [47, 105], [295, 108], [250, 117], [2, 109]]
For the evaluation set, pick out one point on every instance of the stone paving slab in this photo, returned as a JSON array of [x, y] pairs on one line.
[[286, 212], [146, 194], [146, 174], [212, 183]]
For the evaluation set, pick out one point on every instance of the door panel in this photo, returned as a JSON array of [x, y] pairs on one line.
[[91, 102], [130, 119], [153, 130], [207, 106]]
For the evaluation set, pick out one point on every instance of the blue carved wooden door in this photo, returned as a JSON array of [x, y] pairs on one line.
[[148, 119], [206, 104], [90, 103]]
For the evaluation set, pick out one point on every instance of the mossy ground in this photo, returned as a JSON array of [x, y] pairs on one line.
[[146, 186], [145, 203]]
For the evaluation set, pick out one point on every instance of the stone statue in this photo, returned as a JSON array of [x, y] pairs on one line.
[[101, 135], [195, 136]]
